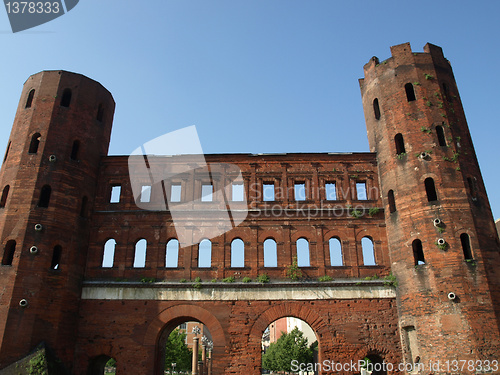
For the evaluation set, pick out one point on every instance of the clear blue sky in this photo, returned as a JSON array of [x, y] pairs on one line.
[[256, 75]]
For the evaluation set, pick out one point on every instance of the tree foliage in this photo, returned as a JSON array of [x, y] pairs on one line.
[[176, 351], [289, 347]]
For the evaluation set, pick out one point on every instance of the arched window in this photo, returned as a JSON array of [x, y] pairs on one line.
[[56, 257], [465, 240], [410, 92], [440, 135], [303, 253], [75, 150], [418, 252], [446, 92], [237, 253], [400, 144], [335, 252], [5, 194], [391, 201], [430, 189], [35, 142], [100, 113], [140, 253], [29, 100], [66, 98], [108, 257], [270, 253], [368, 251], [8, 253], [376, 109], [83, 207], [172, 254], [45, 196], [7, 152], [205, 254]]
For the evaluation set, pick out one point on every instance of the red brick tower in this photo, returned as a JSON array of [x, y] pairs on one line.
[[442, 242], [48, 178]]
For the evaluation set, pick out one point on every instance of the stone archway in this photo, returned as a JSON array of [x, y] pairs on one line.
[[170, 318], [298, 310]]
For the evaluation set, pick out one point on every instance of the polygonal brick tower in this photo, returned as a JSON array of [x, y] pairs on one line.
[[442, 240], [48, 179]]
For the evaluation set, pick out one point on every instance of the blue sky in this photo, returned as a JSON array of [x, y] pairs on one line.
[[256, 75]]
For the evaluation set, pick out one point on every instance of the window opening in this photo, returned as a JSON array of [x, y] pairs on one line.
[[29, 101], [237, 253], [56, 257], [335, 252], [35, 142], [140, 253], [238, 193], [270, 253], [418, 252], [465, 240], [7, 152], [300, 191], [440, 135], [66, 98], [172, 254], [5, 194], [109, 253], [410, 92], [205, 254], [430, 189], [8, 253], [175, 193], [400, 144], [145, 194], [75, 149], [45, 196], [392, 201], [115, 193], [303, 253], [361, 191], [330, 191], [268, 192], [368, 251], [376, 109], [207, 193]]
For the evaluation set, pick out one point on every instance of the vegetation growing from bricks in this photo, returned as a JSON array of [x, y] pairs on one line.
[[263, 278], [293, 271], [38, 365], [325, 278]]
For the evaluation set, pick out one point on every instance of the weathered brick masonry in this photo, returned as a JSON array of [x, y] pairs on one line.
[[425, 212]]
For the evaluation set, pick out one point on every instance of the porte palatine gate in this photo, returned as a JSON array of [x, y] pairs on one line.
[[402, 237]]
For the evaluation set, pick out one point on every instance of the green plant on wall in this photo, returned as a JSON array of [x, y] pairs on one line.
[[293, 272]]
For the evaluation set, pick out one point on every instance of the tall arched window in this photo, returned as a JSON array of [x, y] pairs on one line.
[[237, 253], [368, 251], [465, 240], [75, 150], [410, 92], [5, 194], [205, 254], [108, 257], [440, 135], [56, 257], [35, 142], [7, 151], [66, 98], [270, 253], [140, 253], [100, 113], [303, 253], [172, 254], [430, 189], [391, 201], [8, 253], [471, 182], [45, 196], [418, 252], [400, 144], [335, 252], [29, 100], [376, 109]]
